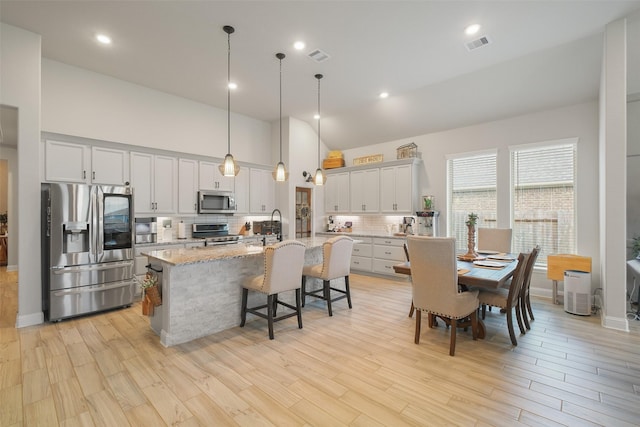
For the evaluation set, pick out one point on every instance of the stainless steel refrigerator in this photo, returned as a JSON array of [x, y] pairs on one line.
[[87, 249]]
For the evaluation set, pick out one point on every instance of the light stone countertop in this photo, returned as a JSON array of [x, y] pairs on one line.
[[362, 234], [182, 256]]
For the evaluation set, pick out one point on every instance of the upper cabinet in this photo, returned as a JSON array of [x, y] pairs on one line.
[[242, 188], [187, 186], [365, 190], [212, 179], [155, 183], [336, 193], [262, 191], [397, 189], [69, 162]]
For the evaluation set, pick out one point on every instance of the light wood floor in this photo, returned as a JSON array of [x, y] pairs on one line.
[[358, 368]]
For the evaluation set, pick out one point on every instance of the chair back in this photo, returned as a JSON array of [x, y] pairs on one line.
[[434, 273], [283, 266], [336, 257], [494, 239], [518, 280], [529, 269]]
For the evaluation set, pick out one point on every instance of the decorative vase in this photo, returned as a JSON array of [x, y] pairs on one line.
[[471, 247]]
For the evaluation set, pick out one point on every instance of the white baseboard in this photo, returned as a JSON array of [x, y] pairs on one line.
[[621, 324], [22, 321], [12, 268]]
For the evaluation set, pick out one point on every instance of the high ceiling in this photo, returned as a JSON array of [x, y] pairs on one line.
[[543, 54]]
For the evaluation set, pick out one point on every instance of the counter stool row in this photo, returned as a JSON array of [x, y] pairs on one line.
[[284, 270]]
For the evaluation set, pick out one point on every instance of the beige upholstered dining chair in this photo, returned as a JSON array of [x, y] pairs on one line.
[[282, 271], [336, 264], [525, 300], [494, 239], [434, 284], [507, 299]]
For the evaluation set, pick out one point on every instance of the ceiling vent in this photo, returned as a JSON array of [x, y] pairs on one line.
[[318, 55], [475, 44]]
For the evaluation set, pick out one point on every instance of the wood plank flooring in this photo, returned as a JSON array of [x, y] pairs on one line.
[[357, 368]]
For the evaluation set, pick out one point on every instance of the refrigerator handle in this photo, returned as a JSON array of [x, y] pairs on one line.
[[99, 224]]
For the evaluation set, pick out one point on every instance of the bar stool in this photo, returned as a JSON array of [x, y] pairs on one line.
[[336, 263], [282, 270]]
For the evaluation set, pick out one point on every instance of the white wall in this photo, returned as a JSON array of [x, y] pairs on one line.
[[579, 121], [20, 88], [82, 103]]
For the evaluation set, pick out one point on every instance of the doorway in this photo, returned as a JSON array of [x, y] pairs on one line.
[[303, 212]]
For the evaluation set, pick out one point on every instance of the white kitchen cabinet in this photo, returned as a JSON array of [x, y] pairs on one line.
[[364, 190], [187, 186], [386, 254], [242, 191], [70, 162], [210, 178], [109, 166], [336, 193], [67, 162], [397, 189], [154, 179], [262, 191], [361, 257]]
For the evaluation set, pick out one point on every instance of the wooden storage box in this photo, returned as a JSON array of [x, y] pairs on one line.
[[332, 163]]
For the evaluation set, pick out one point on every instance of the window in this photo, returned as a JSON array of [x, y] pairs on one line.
[[472, 188], [543, 195]]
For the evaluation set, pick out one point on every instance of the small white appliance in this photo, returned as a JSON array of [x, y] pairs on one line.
[[577, 292]]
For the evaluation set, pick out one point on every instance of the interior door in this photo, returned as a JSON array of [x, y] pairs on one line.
[[303, 212]]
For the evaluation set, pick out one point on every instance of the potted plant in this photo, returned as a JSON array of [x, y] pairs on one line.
[[635, 247], [4, 217], [151, 294]]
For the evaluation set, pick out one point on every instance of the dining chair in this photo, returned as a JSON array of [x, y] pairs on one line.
[[494, 239], [525, 300], [434, 284], [507, 299], [336, 264], [282, 271], [406, 254]]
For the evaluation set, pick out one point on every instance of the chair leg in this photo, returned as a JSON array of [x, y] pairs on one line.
[[304, 290], [298, 309], [270, 315], [452, 344], [523, 312], [418, 321], [519, 318], [243, 310], [474, 325], [275, 305], [431, 318], [484, 310], [346, 288], [512, 335], [327, 295], [528, 301], [412, 309]]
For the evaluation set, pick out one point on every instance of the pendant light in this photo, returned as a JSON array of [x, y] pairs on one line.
[[229, 167], [320, 178], [280, 173]]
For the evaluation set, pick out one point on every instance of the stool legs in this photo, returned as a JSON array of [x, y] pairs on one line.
[[243, 310]]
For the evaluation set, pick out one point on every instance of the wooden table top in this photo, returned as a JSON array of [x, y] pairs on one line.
[[477, 276]]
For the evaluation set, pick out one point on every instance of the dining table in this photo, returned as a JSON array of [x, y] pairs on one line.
[[492, 275]]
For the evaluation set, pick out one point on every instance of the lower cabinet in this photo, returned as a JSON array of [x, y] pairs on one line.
[[361, 257], [387, 253]]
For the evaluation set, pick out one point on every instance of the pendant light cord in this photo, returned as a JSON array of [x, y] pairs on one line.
[[319, 76], [280, 58], [228, 92]]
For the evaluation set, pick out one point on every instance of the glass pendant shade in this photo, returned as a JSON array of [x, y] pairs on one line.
[[320, 178], [229, 167], [280, 173]]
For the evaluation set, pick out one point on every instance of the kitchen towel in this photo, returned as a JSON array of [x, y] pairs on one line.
[[182, 230]]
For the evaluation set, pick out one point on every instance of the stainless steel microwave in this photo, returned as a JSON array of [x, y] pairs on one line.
[[216, 202]]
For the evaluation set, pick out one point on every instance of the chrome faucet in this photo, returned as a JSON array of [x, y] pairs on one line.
[[280, 215]]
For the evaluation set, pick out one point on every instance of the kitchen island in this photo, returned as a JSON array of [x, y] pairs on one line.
[[202, 287]]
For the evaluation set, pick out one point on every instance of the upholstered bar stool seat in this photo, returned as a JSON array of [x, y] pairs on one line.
[[282, 271], [336, 264]]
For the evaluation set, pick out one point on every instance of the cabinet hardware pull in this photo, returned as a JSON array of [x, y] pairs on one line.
[[93, 175], [84, 174]]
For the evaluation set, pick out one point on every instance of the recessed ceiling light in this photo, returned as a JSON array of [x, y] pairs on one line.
[[232, 85], [384, 95], [472, 29], [316, 116], [104, 39], [298, 45]]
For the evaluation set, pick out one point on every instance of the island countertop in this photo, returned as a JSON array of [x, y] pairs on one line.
[[183, 256]]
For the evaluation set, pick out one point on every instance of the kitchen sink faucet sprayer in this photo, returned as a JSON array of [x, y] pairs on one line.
[[280, 215]]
